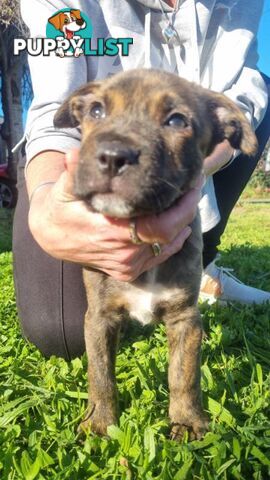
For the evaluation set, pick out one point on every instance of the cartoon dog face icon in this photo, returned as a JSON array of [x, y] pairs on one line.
[[68, 22]]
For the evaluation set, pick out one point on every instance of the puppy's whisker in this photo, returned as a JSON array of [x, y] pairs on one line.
[[159, 203], [174, 187]]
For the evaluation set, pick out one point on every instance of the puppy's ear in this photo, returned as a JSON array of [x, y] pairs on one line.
[[231, 124], [57, 20], [76, 13], [72, 111]]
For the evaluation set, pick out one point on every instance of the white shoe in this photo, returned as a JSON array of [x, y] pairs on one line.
[[218, 284]]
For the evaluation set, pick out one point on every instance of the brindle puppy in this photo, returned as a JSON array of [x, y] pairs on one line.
[[145, 134]]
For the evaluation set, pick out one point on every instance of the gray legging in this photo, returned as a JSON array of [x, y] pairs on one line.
[[50, 294]]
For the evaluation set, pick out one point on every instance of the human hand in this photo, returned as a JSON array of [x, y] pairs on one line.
[[221, 155], [66, 229]]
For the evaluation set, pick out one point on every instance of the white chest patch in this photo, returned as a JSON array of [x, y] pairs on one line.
[[142, 302], [141, 307]]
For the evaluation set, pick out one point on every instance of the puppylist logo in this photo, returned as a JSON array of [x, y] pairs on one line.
[[69, 34]]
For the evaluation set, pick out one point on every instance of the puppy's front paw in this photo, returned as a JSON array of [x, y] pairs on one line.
[[97, 420], [196, 428], [78, 52], [60, 52]]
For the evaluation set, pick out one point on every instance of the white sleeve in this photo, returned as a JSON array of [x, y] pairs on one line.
[[249, 91]]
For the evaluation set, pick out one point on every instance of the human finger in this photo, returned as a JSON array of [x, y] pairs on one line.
[[165, 227], [169, 249], [149, 261]]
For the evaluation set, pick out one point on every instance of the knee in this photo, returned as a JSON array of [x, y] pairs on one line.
[[48, 334]]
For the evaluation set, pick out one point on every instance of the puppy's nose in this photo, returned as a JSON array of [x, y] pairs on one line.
[[115, 159]]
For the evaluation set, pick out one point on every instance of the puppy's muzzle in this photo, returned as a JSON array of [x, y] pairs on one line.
[[114, 158]]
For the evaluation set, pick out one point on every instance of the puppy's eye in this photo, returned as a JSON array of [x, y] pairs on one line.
[[97, 111], [177, 120], [66, 20]]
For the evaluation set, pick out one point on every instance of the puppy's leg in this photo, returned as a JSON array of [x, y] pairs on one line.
[[184, 333], [101, 338]]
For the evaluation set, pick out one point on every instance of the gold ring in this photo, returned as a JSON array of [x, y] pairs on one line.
[[133, 233], [156, 249]]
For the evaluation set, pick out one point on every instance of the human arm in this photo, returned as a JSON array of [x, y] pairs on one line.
[[229, 65], [249, 91], [230, 58]]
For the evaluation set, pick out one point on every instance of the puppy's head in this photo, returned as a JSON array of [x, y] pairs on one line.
[[68, 22], [145, 134]]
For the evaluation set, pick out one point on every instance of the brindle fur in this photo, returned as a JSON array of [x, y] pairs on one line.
[[169, 159]]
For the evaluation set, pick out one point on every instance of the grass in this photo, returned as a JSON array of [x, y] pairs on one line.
[[6, 217], [258, 193], [42, 401]]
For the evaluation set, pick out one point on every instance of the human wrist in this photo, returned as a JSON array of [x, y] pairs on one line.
[[39, 209], [45, 167], [42, 185]]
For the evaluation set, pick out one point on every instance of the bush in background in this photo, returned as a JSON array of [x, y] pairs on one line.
[[260, 180]]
